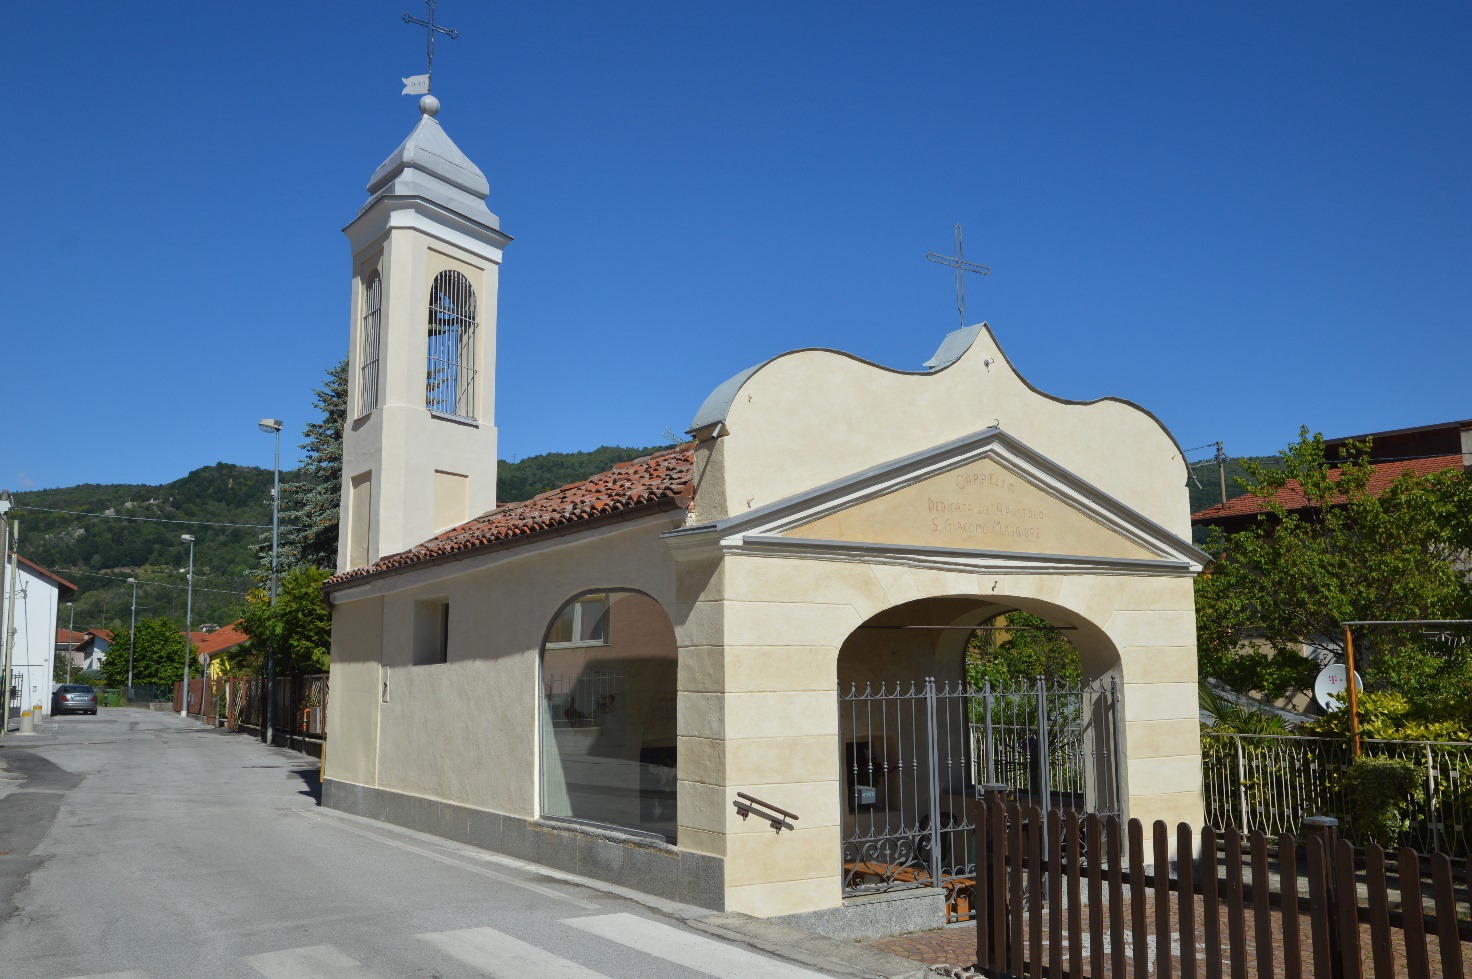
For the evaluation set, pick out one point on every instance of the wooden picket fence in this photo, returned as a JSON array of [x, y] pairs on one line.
[[1054, 898]]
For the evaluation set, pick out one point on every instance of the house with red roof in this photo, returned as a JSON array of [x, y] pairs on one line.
[[213, 649], [685, 674], [86, 649], [1422, 450], [31, 620]]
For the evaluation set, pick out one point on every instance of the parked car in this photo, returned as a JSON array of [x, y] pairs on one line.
[[76, 697]]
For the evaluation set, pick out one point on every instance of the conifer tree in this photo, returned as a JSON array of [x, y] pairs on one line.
[[309, 506]]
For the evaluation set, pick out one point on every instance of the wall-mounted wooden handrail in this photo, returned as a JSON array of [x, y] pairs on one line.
[[748, 805]]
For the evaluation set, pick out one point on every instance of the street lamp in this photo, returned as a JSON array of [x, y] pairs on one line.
[[188, 622], [132, 628], [272, 426]]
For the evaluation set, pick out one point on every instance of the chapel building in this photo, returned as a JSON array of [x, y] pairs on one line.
[[734, 673]]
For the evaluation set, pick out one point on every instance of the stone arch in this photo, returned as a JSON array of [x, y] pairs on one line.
[[916, 740], [940, 641]]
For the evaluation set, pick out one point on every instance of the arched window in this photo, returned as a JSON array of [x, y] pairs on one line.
[[608, 713], [450, 382], [368, 373]]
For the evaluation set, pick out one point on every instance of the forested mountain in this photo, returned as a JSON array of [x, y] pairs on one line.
[[516, 481], [97, 553], [1209, 493]]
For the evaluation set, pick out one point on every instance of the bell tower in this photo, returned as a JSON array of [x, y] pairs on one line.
[[419, 445]]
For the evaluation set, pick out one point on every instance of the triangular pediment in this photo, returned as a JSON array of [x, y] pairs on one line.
[[986, 502], [980, 506]]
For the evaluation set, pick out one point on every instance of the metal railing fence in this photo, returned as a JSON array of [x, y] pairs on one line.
[[915, 754], [1273, 782], [298, 709], [149, 693]]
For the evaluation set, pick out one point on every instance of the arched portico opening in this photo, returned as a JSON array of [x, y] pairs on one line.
[[925, 721], [608, 737]]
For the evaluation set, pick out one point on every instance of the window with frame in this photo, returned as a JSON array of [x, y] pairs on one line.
[[583, 622], [453, 326], [368, 372]]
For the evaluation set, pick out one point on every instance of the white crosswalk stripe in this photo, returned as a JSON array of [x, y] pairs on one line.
[[312, 962], [498, 954], [687, 948]]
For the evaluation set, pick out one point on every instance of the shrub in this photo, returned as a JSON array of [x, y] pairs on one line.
[[1379, 795], [1389, 716]]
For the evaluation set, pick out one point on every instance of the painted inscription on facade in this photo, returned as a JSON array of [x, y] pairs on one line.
[[980, 506]]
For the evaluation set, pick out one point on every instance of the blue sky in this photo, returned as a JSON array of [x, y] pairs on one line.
[[1244, 217]]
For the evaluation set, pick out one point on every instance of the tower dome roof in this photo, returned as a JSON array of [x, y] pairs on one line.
[[428, 164]]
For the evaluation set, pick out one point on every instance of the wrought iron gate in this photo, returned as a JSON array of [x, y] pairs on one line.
[[915, 759]]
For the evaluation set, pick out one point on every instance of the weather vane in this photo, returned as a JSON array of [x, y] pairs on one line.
[[420, 84], [959, 263]]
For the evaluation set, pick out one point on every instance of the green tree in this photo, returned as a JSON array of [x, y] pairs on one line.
[[1036, 649], [310, 505], [158, 655], [298, 626], [1338, 552]]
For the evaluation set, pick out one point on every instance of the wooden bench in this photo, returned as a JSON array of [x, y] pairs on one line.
[[960, 891]]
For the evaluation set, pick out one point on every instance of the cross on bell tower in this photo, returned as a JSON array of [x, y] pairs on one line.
[[430, 30]]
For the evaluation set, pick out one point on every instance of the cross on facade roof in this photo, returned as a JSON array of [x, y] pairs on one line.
[[959, 263], [430, 30]]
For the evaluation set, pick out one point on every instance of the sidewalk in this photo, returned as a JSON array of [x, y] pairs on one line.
[[953, 945]]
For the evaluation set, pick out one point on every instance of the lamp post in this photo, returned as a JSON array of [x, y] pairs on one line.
[[188, 622], [71, 638], [272, 426], [132, 628]]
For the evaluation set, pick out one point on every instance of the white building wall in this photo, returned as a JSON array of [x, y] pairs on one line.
[[37, 603]]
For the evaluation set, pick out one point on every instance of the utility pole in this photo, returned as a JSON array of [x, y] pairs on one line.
[[14, 528], [1221, 472], [132, 628], [272, 426], [188, 623], [71, 638]]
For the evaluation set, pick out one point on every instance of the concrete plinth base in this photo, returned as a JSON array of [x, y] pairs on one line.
[[648, 866], [876, 915]]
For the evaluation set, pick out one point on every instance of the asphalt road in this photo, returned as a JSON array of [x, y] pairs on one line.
[[142, 845]]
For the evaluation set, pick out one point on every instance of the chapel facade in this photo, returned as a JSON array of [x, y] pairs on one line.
[[734, 673]]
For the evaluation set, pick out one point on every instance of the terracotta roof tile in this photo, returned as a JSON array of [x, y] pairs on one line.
[[221, 639], [662, 481], [1292, 497]]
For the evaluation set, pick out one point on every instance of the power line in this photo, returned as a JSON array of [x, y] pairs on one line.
[[124, 516], [156, 584]]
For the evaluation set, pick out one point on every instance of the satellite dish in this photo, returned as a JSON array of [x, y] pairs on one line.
[[1331, 684]]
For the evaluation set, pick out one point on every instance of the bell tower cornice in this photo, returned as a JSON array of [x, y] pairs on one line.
[[385, 214]]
